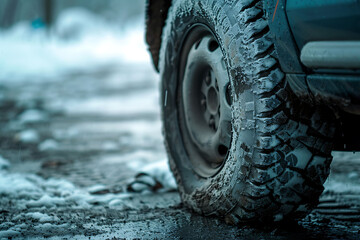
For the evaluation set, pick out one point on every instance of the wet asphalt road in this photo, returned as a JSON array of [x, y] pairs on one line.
[[96, 130]]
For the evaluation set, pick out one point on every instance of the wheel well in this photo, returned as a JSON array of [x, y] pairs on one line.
[[156, 14]]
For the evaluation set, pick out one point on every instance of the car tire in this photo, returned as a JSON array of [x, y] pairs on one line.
[[278, 154]]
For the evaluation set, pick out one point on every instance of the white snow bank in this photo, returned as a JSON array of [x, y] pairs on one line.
[[79, 41]]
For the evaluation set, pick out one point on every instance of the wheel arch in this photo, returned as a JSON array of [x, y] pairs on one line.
[[156, 14]]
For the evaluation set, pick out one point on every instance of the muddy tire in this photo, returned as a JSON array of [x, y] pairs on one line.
[[273, 152]]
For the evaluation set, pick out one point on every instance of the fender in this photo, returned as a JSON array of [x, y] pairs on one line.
[[156, 14]]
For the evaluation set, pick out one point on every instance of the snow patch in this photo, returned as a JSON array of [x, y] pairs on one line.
[[48, 144], [29, 191], [8, 234], [41, 217], [96, 188], [161, 172], [116, 203], [155, 176], [28, 136], [48, 227], [32, 116]]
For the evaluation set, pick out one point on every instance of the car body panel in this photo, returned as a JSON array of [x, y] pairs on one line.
[[323, 20]]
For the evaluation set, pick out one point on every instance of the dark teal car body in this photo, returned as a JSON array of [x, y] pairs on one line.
[[318, 44]]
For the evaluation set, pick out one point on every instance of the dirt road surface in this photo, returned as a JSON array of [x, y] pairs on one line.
[[71, 147]]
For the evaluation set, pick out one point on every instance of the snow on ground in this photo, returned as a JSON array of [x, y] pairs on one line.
[[41, 217], [33, 193], [29, 191], [79, 41], [161, 172]]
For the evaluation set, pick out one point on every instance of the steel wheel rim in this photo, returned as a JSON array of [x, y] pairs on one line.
[[205, 103]]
